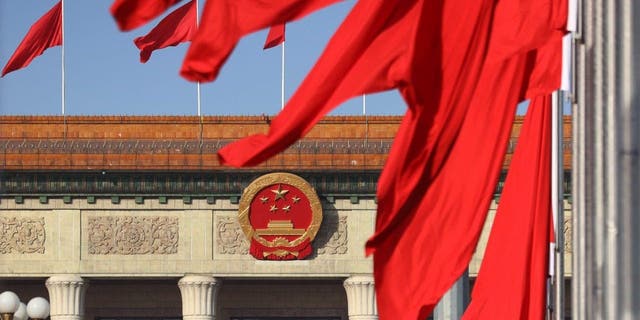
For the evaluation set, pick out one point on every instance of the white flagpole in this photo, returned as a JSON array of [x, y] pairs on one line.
[[364, 104], [557, 205], [64, 117], [198, 99], [282, 80], [198, 84], [366, 120]]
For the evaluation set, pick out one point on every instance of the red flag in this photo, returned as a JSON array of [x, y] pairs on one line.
[[435, 189], [275, 36], [461, 85], [512, 279], [177, 27], [130, 14], [44, 34], [224, 22]]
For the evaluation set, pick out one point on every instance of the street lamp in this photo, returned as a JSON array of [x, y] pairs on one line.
[[38, 308], [9, 303], [21, 314], [12, 309]]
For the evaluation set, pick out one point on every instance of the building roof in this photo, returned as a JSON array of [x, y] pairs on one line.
[[178, 143]]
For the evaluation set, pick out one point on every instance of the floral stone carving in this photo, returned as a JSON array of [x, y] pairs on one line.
[[22, 235], [133, 235], [231, 239], [337, 241]]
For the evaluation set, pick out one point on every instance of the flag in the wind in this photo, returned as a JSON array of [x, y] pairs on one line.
[[460, 65], [224, 22], [130, 14], [275, 37], [515, 287], [512, 280], [43, 34], [462, 68], [177, 27]]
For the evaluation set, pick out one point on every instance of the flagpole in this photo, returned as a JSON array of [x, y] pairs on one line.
[[64, 116], [557, 198], [364, 104], [282, 79], [366, 120], [198, 99]]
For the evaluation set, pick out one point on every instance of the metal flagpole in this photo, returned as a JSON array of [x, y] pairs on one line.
[[282, 79], [364, 104], [64, 116], [366, 120], [198, 83], [557, 203]]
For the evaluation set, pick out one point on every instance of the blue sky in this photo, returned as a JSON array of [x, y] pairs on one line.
[[104, 75]]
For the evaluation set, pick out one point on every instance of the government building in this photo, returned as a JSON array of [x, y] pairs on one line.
[[134, 218]]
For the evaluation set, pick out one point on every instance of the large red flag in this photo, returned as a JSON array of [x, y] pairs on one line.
[[130, 14], [512, 279], [44, 34], [177, 27], [462, 80], [275, 37], [224, 22]]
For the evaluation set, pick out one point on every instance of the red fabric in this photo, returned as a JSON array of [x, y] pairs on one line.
[[275, 36], [224, 22], [461, 82], [44, 34], [177, 27], [130, 14], [512, 279]]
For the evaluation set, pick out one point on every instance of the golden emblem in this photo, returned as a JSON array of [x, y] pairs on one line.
[[280, 214]]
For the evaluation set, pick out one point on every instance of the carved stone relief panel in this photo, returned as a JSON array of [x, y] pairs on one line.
[[22, 235], [133, 235], [334, 235], [568, 234], [230, 238]]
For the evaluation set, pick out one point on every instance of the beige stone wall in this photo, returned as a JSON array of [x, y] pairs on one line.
[[173, 239], [474, 265]]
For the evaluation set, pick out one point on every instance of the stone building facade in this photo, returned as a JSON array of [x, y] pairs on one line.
[[134, 218]]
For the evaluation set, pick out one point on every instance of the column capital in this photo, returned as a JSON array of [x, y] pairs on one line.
[[361, 297], [66, 296], [198, 293]]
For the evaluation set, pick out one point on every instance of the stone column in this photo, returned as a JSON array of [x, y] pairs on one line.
[[606, 162], [361, 298], [198, 297], [455, 301], [66, 296]]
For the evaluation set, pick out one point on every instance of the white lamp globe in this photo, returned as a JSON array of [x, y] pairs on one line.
[[9, 302], [21, 314], [38, 308]]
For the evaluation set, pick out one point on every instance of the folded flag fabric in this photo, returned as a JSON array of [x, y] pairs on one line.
[[43, 34], [131, 14], [224, 22], [177, 27], [275, 37]]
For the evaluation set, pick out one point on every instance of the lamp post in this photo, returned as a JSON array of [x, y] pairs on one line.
[[38, 308], [9, 303], [12, 309], [21, 314]]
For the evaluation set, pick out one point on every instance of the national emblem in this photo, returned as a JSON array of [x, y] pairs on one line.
[[280, 214]]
